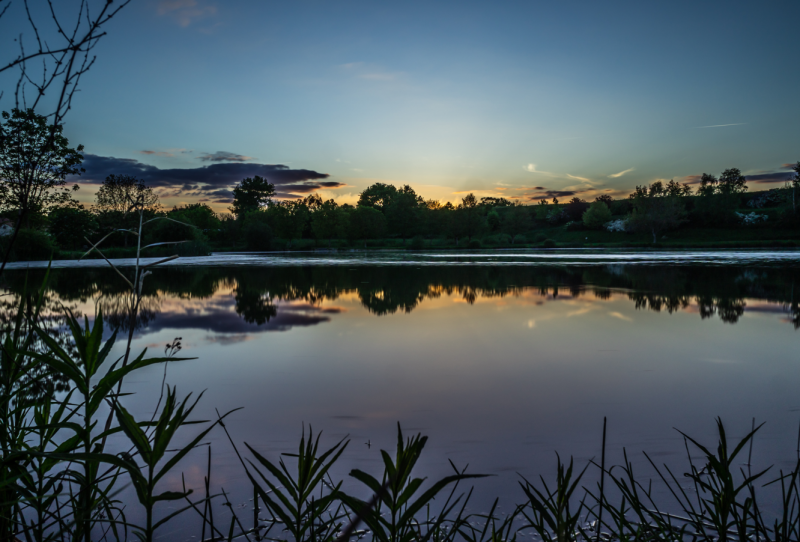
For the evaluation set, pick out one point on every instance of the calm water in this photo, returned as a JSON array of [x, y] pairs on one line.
[[501, 358]]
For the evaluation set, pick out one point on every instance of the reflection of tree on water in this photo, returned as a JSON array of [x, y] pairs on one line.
[[117, 310], [258, 292], [52, 319], [253, 306]]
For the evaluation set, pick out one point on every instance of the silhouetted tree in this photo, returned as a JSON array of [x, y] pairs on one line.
[[654, 211], [378, 196], [250, 195]]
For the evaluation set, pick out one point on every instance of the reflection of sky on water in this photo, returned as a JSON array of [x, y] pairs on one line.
[[499, 378]]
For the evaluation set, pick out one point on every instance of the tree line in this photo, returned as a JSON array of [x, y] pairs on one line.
[[40, 208]]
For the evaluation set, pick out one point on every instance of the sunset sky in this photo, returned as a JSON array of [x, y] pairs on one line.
[[516, 99]]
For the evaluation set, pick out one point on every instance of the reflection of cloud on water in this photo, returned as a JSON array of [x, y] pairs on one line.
[[621, 316], [225, 340], [220, 318]]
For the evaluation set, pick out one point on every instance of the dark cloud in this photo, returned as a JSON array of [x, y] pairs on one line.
[[772, 177], [224, 156], [777, 177], [549, 194], [214, 181]]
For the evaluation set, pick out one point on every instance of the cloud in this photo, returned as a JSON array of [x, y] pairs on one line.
[[223, 156], [760, 178], [169, 153], [620, 174], [584, 179], [776, 177], [549, 194], [213, 181], [789, 166], [531, 168], [185, 12], [722, 125]]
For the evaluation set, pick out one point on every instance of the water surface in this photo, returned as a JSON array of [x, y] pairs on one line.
[[501, 358]]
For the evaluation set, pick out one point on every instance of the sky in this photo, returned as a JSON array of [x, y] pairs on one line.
[[524, 100]]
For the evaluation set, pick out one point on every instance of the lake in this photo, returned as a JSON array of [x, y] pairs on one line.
[[501, 357]]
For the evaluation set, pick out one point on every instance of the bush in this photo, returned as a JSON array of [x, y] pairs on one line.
[[417, 243], [519, 238], [474, 244], [257, 235], [574, 226], [498, 239], [621, 207], [597, 215], [549, 243], [69, 226], [30, 245], [540, 237]]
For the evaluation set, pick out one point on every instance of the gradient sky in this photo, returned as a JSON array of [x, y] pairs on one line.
[[518, 99]]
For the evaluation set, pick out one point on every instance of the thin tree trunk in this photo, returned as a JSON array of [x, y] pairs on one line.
[[11, 243]]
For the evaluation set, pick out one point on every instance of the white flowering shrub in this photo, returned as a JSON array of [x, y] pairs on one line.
[[620, 225], [748, 219]]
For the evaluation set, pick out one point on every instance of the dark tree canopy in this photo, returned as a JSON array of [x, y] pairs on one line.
[[119, 193], [251, 194], [35, 159], [378, 196]]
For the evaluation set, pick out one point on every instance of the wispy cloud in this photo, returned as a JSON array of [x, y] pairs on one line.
[[185, 12], [620, 174], [722, 125], [361, 70], [170, 153], [584, 179], [224, 156]]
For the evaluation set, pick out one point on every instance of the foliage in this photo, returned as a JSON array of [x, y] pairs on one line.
[[329, 221], [199, 215], [251, 194], [597, 215], [473, 244], [493, 221], [718, 199], [292, 498], [71, 226], [366, 223], [31, 245], [656, 210], [118, 193], [403, 211], [575, 208], [257, 233], [517, 220], [378, 196], [35, 159], [549, 243], [399, 494], [288, 219]]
